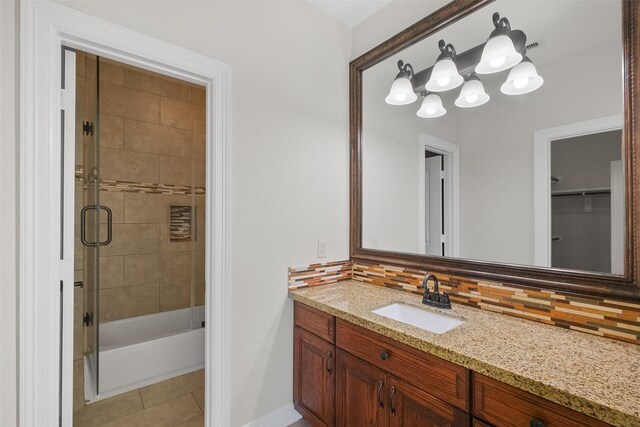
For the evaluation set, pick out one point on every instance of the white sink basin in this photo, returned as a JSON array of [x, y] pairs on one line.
[[422, 319]]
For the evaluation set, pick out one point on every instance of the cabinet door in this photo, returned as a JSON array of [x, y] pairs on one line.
[[314, 378], [411, 407], [361, 393]]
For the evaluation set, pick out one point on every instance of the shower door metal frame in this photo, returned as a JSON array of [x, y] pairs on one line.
[[45, 28]]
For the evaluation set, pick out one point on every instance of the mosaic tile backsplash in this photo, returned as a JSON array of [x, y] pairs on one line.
[[319, 274], [598, 316], [605, 317]]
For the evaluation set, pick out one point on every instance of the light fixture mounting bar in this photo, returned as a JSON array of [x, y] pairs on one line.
[[467, 61]]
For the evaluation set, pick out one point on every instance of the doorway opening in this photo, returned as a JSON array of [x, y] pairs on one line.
[[438, 197], [139, 258]]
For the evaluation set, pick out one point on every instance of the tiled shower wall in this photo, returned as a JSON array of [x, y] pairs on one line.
[[605, 317], [152, 157]]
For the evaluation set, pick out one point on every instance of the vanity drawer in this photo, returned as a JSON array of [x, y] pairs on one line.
[[437, 377], [503, 405], [315, 321]]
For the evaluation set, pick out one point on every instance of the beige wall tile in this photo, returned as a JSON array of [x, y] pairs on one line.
[[152, 138], [146, 208], [177, 114], [139, 269], [111, 72], [168, 87], [109, 409], [78, 385], [78, 332], [176, 265], [79, 64], [199, 112], [131, 239], [201, 173], [200, 145], [198, 95], [128, 165], [79, 143], [129, 103], [111, 271], [128, 301], [175, 170], [199, 291], [167, 414], [111, 131], [114, 200], [200, 125], [175, 295]]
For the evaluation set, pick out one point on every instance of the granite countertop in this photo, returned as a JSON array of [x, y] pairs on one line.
[[597, 376]]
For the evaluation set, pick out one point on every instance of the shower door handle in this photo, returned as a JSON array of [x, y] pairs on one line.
[[83, 224]]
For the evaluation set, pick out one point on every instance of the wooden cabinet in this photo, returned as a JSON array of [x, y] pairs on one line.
[[346, 375], [369, 396], [361, 398], [314, 365], [446, 380], [411, 406], [503, 405]]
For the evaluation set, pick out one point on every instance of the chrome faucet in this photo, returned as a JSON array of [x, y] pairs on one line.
[[434, 298]]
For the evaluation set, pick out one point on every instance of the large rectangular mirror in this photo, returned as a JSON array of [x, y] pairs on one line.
[[493, 134]]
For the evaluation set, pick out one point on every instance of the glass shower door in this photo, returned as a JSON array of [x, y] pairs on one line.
[[90, 221]]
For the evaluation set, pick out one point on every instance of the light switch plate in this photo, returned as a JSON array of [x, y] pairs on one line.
[[322, 248]]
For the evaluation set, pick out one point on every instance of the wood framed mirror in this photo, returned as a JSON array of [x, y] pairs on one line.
[[459, 206]]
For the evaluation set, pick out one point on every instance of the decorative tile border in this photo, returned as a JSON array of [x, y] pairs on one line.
[[319, 274], [141, 187], [609, 318]]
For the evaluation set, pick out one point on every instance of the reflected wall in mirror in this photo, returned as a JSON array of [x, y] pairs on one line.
[[505, 166]]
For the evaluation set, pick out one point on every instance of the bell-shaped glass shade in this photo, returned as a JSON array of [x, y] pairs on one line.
[[472, 94], [498, 54], [523, 78], [401, 92], [444, 76], [431, 107]]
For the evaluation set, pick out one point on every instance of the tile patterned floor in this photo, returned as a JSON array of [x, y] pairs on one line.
[[175, 402]]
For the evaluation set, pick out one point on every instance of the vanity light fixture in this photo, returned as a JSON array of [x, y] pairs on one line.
[[472, 93], [401, 92], [444, 75], [505, 49], [523, 78], [431, 106], [498, 53]]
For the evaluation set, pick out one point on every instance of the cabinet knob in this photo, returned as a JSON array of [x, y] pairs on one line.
[[384, 355], [536, 423]]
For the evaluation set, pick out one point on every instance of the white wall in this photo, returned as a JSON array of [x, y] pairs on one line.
[[8, 168], [289, 167]]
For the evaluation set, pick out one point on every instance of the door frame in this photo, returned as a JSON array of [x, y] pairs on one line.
[[542, 176], [451, 158], [45, 27]]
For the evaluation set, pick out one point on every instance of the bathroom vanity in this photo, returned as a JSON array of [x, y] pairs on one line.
[[354, 367]]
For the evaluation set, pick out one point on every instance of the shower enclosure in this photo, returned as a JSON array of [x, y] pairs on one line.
[[140, 200]]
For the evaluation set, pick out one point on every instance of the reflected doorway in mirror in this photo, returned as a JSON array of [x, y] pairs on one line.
[[438, 197]]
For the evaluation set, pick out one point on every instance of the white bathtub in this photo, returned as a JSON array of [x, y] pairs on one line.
[[144, 350]]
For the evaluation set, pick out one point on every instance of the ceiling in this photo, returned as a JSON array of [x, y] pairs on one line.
[[349, 12]]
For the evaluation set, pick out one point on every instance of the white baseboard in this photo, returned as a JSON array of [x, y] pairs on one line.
[[281, 417]]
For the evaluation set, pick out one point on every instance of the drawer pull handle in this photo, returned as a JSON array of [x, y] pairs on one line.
[[329, 360], [384, 355], [536, 423], [380, 402], [393, 410]]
